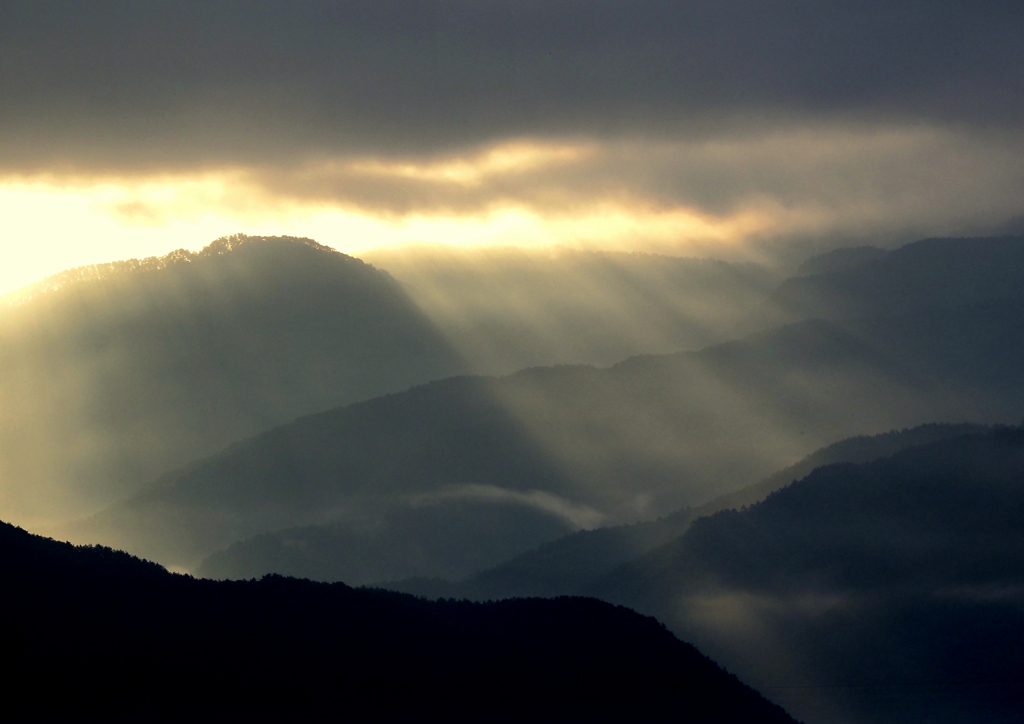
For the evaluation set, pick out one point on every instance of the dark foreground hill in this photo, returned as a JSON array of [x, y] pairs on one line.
[[93, 634], [111, 375], [891, 591]]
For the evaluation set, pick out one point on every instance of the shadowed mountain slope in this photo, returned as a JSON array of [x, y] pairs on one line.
[[121, 639], [639, 439], [574, 563], [925, 275], [843, 259], [887, 591], [110, 375]]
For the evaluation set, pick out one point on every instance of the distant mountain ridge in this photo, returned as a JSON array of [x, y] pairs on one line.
[[120, 639], [843, 259], [447, 538], [922, 276]]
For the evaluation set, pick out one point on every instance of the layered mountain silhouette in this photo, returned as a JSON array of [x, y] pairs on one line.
[[113, 374], [100, 635], [639, 439], [110, 375], [886, 591], [576, 562]]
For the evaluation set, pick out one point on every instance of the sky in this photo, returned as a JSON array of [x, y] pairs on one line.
[[129, 129]]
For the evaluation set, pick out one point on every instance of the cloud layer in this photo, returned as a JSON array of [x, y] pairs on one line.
[[794, 110], [217, 80]]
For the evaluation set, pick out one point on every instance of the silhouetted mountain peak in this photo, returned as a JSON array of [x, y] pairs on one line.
[[235, 243], [163, 360]]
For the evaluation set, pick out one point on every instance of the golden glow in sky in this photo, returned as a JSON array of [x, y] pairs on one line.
[[705, 198], [507, 158], [53, 223]]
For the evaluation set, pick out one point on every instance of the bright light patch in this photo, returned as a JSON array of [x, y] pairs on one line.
[[48, 227], [687, 198], [54, 224], [611, 225], [510, 158]]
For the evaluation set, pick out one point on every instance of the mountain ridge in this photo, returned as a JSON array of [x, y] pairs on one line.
[[109, 270], [574, 563], [860, 577], [929, 274]]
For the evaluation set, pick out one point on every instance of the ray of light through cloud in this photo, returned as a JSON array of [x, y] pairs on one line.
[[53, 222], [708, 197]]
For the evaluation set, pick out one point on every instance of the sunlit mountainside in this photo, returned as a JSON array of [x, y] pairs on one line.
[[113, 374], [120, 271]]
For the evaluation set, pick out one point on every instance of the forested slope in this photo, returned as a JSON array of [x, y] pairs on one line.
[[575, 562], [115, 638], [890, 590]]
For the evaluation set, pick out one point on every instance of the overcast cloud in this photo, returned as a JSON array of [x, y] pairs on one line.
[[823, 108]]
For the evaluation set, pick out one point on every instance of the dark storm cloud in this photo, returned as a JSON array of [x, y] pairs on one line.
[[158, 84]]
